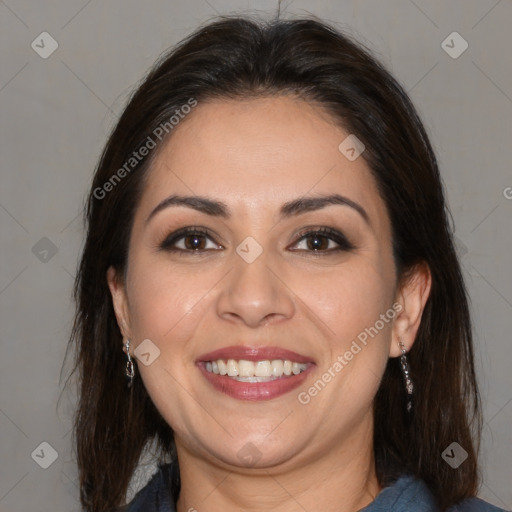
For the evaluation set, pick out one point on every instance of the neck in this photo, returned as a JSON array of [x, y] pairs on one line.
[[339, 479]]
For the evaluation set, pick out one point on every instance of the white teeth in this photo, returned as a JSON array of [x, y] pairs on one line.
[[223, 369], [254, 379], [232, 368], [258, 371], [246, 368], [263, 369], [277, 367]]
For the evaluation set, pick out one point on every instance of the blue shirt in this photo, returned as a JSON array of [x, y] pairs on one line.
[[406, 494]]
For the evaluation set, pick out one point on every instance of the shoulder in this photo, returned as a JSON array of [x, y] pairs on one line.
[[155, 496], [475, 505], [408, 494]]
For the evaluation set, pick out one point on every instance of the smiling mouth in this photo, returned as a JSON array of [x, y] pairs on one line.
[[246, 372], [243, 370]]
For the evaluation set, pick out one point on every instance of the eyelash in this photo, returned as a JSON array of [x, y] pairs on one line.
[[329, 233]]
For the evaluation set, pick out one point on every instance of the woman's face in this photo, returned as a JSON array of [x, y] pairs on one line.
[[254, 284]]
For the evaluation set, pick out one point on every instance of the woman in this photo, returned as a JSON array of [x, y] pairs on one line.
[[269, 260]]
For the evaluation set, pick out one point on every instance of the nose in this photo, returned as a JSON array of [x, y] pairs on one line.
[[255, 294]]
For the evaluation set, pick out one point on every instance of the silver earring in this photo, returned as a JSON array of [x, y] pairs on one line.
[[130, 369], [409, 387]]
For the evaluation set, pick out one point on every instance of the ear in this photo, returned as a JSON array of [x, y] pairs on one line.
[[119, 301], [412, 295]]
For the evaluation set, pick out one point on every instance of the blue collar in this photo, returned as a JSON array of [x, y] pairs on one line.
[[406, 494]]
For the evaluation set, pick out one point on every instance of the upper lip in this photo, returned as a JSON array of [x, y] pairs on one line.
[[253, 353]]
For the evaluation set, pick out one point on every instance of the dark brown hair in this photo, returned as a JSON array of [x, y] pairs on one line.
[[235, 57]]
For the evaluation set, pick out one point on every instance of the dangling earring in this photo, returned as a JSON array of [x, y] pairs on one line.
[[409, 387], [130, 369]]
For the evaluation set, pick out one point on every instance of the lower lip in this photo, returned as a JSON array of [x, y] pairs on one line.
[[254, 390]]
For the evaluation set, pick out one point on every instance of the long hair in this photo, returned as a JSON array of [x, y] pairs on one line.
[[234, 58]]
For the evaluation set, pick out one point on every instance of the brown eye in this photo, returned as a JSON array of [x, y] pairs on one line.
[[317, 242], [323, 240], [191, 240], [194, 242]]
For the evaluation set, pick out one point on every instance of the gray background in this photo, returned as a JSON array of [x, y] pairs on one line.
[[55, 117]]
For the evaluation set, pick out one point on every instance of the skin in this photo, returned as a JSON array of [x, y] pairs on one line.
[[254, 155]]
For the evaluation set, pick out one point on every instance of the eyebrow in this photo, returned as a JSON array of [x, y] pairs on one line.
[[296, 207]]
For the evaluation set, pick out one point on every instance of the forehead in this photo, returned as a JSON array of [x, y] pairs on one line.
[[258, 153]]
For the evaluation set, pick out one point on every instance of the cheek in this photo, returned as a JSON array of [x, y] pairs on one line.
[[166, 305], [348, 299], [164, 299]]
